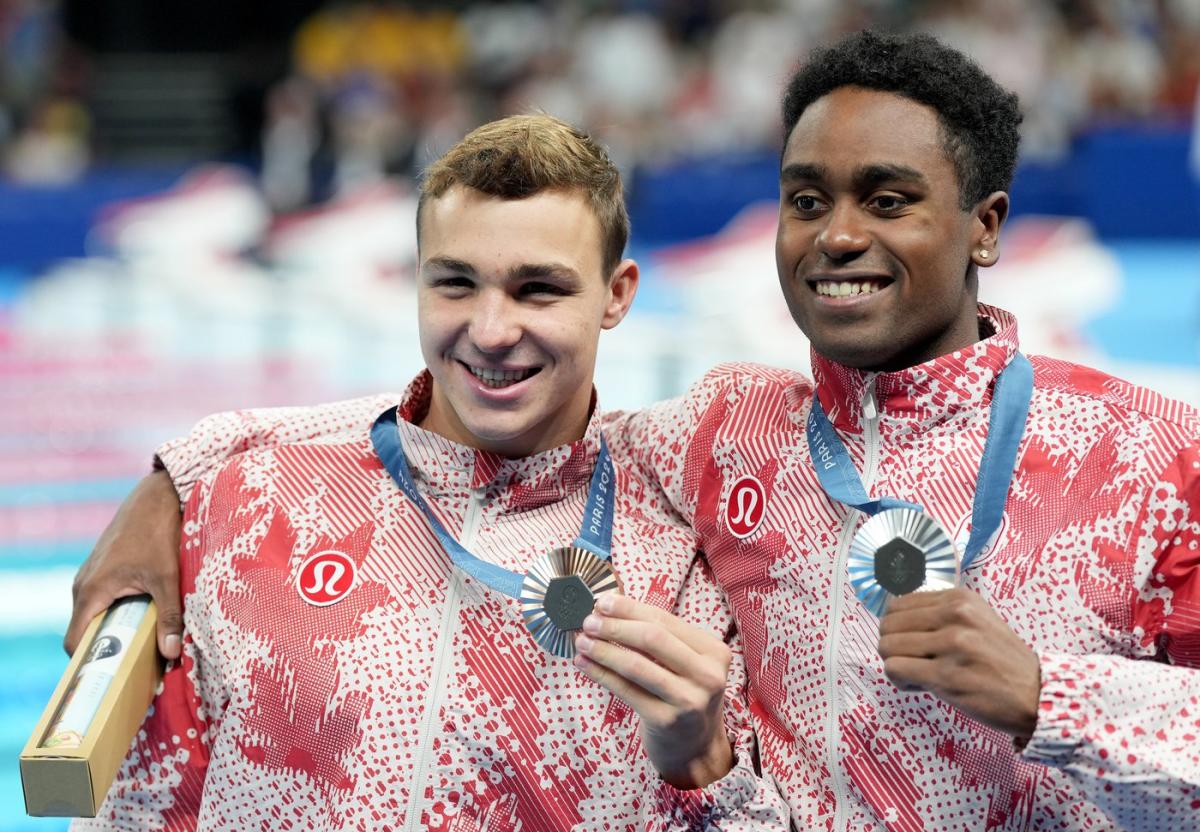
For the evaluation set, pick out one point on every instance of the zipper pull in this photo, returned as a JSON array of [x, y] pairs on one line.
[[869, 410]]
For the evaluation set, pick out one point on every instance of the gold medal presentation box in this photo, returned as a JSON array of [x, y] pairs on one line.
[[73, 782]]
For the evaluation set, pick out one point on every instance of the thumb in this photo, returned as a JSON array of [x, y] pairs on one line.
[[164, 589], [170, 629]]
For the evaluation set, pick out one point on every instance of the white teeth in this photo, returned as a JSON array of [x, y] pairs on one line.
[[837, 289], [500, 378]]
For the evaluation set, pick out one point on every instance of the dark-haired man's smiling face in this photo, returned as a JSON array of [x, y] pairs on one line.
[[873, 249]]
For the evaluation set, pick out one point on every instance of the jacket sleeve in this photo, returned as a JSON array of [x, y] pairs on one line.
[[216, 438], [1128, 730], [657, 441], [160, 784], [742, 799]]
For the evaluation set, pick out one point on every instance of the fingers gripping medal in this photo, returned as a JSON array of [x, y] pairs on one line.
[[561, 587], [899, 551]]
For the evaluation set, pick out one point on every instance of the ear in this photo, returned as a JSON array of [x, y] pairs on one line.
[[621, 289], [989, 216]]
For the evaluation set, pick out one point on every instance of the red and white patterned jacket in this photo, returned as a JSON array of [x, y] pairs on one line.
[[417, 701], [1096, 566]]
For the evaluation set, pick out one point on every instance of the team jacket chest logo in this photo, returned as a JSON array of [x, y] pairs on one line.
[[326, 578], [745, 506]]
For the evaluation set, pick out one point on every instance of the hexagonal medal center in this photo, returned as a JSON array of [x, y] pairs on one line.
[[568, 602], [899, 566]]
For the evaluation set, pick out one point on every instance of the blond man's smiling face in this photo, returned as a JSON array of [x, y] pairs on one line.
[[511, 302]]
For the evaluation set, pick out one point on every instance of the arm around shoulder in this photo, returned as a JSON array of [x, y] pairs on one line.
[[660, 442], [139, 550]]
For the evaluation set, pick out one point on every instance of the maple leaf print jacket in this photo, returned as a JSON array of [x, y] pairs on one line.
[[1094, 566], [417, 700]]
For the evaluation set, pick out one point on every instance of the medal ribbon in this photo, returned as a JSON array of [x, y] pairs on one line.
[[595, 534], [1006, 425]]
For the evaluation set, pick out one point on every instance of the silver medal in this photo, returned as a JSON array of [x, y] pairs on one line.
[[899, 551], [559, 591]]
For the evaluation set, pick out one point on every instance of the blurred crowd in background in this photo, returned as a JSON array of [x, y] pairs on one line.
[[381, 88]]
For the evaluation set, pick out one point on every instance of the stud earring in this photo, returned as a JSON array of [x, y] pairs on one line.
[[984, 253]]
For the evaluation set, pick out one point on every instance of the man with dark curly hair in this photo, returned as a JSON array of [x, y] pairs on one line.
[[965, 580], [1045, 676]]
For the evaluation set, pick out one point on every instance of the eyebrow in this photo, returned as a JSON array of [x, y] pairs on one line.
[[524, 271], [870, 176], [798, 170], [534, 270], [449, 264], [865, 177]]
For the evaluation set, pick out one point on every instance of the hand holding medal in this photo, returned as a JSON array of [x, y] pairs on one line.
[[955, 646], [673, 675]]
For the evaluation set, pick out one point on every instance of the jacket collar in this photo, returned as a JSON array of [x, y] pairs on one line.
[[917, 397], [532, 481]]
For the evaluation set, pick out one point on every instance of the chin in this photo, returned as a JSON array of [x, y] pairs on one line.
[[843, 347], [855, 354], [508, 440], [493, 434]]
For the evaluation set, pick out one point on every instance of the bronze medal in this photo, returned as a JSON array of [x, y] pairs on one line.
[[559, 591]]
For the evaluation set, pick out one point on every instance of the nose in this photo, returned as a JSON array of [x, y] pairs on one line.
[[844, 235], [495, 322]]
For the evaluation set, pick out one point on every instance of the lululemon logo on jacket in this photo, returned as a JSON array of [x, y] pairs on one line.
[[325, 578], [745, 507]]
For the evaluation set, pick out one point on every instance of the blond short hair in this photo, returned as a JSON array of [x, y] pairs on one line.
[[520, 156]]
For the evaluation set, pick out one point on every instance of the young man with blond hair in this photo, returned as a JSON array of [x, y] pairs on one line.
[[355, 652]]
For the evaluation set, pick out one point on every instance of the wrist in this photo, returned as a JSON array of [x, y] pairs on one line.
[[703, 770], [158, 489], [1026, 720]]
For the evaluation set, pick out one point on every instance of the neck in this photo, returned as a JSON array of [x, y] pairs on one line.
[[965, 333]]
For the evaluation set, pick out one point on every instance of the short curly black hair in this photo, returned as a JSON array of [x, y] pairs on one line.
[[979, 118]]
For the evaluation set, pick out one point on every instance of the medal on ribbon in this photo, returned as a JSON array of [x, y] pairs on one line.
[[901, 549], [560, 587]]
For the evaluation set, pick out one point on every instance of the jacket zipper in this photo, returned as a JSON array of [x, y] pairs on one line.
[[870, 414], [441, 663]]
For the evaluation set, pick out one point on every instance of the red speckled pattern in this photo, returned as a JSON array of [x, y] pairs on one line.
[[285, 715], [1094, 566]]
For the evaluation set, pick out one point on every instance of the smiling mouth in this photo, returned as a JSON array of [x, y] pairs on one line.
[[500, 378], [849, 288]]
